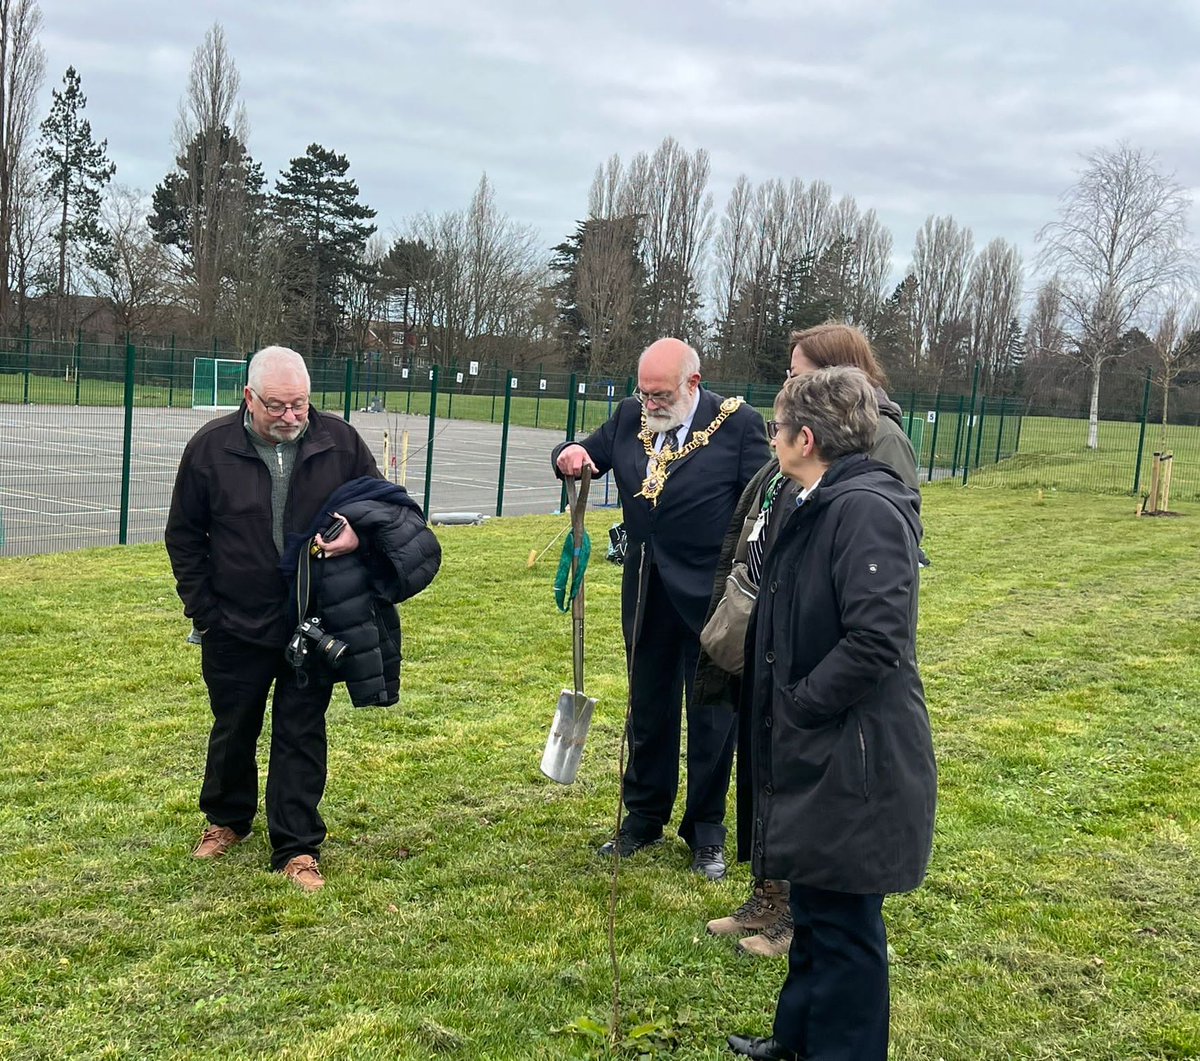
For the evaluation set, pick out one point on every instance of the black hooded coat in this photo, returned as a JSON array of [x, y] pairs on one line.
[[843, 781]]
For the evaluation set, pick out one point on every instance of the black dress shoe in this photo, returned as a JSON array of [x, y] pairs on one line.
[[709, 861], [626, 844], [761, 1049]]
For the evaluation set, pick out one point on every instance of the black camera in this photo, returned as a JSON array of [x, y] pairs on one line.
[[325, 646]]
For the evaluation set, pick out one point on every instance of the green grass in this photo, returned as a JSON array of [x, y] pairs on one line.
[[465, 915], [1053, 454]]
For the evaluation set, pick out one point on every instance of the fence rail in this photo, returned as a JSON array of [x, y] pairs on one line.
[[93, 434]]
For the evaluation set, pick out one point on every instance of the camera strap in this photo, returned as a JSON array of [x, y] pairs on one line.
[[307, 594], [307, 585]]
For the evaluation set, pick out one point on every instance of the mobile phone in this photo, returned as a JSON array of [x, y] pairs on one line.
[[327, 535], [334, 529]]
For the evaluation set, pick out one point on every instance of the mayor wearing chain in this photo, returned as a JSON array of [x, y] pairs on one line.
[[681, 457]]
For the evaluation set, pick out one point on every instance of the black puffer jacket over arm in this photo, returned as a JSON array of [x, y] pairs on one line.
[[355, 595]]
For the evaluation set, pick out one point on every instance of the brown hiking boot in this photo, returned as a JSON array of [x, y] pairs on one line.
[[217, 839], [773, 941], [756, 913], [303, 872]]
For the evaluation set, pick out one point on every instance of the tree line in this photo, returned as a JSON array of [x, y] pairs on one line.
[[218, 252]]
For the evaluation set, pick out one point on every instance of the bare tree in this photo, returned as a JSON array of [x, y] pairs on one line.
[[1176, 343], [993, 303], [131, 270], [22, 69], [607, 285], [478, 277], [731, 248], [31, 265], [1119, 237], [668, 193], [941, 259], [200, 207]]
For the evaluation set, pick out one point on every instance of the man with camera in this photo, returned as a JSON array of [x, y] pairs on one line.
[[681, 457], [245, 482]]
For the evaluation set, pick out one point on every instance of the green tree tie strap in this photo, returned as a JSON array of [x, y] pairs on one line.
[[571, 556]]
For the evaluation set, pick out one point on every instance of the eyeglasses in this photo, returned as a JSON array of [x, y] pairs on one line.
[[299, 407], [773, 427], [657, 397]]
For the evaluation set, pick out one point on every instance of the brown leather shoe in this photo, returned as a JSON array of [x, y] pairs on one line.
[[217, 839], [303, 872]]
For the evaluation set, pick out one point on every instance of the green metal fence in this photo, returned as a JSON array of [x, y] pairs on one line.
[[93, 434]]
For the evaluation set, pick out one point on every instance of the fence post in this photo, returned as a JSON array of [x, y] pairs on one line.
[[937, 419], [28, 343], [979, 428], [127, 445], [504, 440], [411, 370], [171, 378], [495, 368], [1137, 468], [970, 425], [562, 503], [1000, 430], [433, 394], [537, 399], [78, 358], [349, 388], [958, 436], [912, 404]]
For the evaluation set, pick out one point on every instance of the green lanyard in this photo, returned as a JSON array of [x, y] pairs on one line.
[[772, 491]]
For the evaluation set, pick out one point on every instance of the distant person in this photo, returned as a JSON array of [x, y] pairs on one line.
[[681, 456], [841, 769], [765, 911], [245, 482]]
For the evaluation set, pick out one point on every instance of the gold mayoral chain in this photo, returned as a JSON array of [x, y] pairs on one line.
[[660, 463]]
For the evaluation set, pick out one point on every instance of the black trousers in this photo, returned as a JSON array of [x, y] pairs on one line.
[[664, 669], [239, 676], [834, 1003]]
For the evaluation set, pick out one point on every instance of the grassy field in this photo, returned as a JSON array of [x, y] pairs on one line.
[[465, 915]]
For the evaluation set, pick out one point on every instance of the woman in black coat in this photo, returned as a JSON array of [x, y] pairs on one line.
[[842, 767]]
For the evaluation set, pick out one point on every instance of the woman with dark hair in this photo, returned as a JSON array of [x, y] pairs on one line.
[[765, 911], [842, 770]]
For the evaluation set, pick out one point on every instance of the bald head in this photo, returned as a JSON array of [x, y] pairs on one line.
[[669, 357]]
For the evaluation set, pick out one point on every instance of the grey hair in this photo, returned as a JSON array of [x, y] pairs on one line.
[[837, 404], [691, 360], [270, 357]]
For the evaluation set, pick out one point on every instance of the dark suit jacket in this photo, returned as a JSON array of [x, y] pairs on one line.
[[683, 533]]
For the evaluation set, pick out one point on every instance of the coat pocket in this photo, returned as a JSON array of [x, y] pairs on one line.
[[864, 762]]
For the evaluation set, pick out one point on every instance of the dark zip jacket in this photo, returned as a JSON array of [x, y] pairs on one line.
[[218, 533]]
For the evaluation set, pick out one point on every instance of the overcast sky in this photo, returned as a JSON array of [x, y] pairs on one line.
[[981, 110]]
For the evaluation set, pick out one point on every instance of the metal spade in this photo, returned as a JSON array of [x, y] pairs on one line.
[[573, 715]]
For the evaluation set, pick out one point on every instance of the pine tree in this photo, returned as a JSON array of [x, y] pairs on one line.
[[77, 169], [318, 204]]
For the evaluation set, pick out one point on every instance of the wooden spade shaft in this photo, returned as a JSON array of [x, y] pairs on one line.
[[577, 497]]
